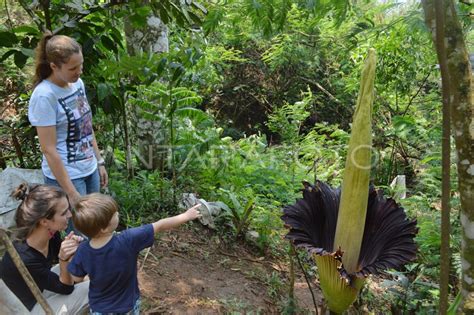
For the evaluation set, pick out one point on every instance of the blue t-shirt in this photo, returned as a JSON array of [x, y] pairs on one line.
[[112, 269], [67, 109]]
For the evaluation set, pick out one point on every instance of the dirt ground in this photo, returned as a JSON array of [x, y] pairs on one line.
[[191, 271]]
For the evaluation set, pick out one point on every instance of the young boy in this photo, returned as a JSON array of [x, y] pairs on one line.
[[110, 260]]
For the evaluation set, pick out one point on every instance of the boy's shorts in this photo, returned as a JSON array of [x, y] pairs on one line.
[[134, 311]]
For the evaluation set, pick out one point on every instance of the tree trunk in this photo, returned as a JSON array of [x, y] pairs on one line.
[[461, 101], [150, 135], [17, 146], [3, 164], [445, 255]]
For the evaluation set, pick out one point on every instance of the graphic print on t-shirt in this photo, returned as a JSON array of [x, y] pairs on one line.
[[79, 129]]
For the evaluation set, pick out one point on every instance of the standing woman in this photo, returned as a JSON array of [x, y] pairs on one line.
[[62, 116], [42, 214]]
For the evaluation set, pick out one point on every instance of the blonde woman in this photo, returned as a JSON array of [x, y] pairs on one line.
[[62, 116]]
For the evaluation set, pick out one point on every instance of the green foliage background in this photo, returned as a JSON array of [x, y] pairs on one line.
[[252, 98]]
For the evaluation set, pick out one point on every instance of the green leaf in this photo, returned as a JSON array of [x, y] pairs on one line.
[[178, 14], [191, 113], [184, 11], [455, 305], [64, 18], [75, 4], [405, 126], [8, 54], [235, 209], [401, 121], [8, 39], [199, 6], [71, 24], [20, 59], [150, 79], [28, 52], [26, 29], [212, 21], [248, 209], [102, 91], [108, 43], [137, 20], [188, 100], [196, 19], [177, 74], [111, 104], [161, 66], [143, 11], [164, 14], [117, 36]]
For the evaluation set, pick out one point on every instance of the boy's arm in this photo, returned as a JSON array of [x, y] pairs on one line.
[[172, 222], [73, 261]]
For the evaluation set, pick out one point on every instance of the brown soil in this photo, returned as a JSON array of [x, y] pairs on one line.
[[191, 271]]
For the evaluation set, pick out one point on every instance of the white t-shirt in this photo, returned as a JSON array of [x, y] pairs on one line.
[[68, 110]]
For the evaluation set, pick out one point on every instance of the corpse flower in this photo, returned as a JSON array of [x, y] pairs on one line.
[[353, 231], [388, 240]]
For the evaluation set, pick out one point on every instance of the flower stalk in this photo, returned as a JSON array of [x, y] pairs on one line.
[[355, 184]]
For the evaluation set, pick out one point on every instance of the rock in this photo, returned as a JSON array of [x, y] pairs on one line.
[[11, 178], [252, 236], [9, 303], [209, 210], [399, 187]]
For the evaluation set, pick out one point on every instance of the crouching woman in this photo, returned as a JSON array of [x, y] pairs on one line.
[[43, 213]]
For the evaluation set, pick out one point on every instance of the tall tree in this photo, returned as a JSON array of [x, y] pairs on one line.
[[147, 34], [458, 93]]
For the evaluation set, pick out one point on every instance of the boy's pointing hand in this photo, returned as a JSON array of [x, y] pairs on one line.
[[194, 213]]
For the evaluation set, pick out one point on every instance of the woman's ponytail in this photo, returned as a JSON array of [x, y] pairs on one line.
[[42, 69], [37, 202]]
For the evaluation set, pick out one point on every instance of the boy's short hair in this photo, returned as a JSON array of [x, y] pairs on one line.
[[93, 213]]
